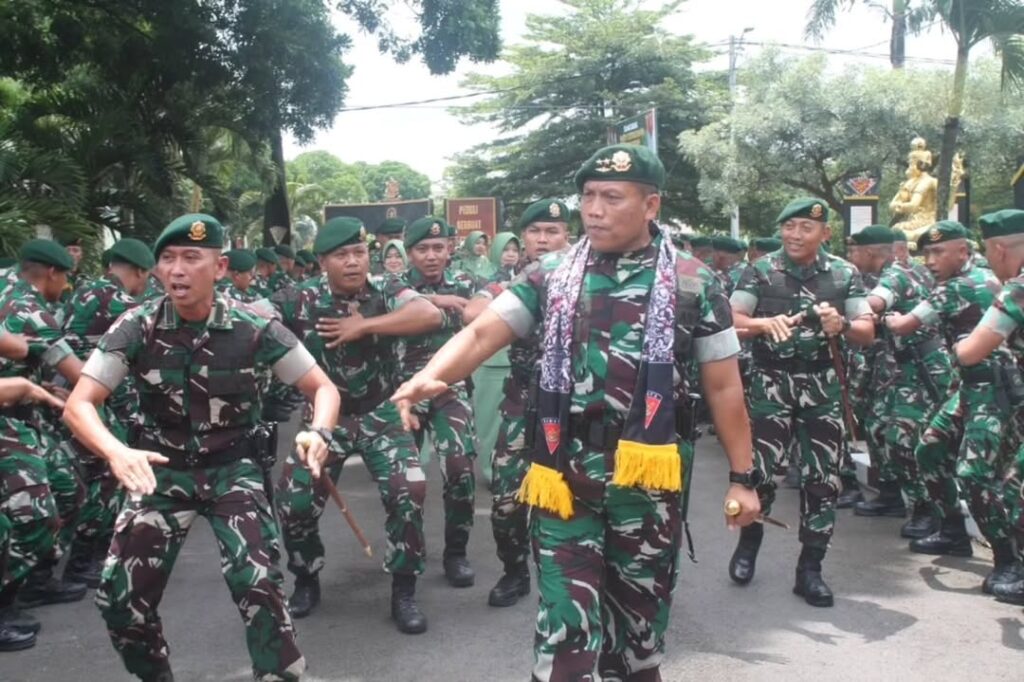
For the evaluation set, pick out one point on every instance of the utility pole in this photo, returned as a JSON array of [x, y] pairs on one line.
[[735, 44]]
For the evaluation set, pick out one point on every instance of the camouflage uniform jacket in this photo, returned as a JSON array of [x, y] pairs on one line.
[[228, 288], [608, 334], [23, 310], [775, 285], [1006, 316], [414, 352], [278, 281], [359, 369], [92, 309], [901, 289], [200, 383]]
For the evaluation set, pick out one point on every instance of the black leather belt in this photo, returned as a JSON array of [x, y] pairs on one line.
[[593, 433], [922, 349], [977, 375], [792, 365], [180, 460], [351, 407]]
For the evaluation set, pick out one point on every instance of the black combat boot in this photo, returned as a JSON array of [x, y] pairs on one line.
[[951, 539], [404, 609], [13, 639], [850, 494], [13, 617], [888, 503], [458, 571], [921, 524], [809, 583], [84, 565], [1008, 568], [1009, 593], [744, 559], [42, 588], [164, 675], [305, 597], [515, 583]]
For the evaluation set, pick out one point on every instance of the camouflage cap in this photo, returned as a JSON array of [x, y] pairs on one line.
[[871, 235], [193, 229], [942, 231], [728, 244], [767, 244], [427, 227], [284, 251], [132, 252], [241, 260], [810, 208], [623, 163], [338, 232], [391, 226], [46, 252], [267, 256], [544, 211], [1002, 223]]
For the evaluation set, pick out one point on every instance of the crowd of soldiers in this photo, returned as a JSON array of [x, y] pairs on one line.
[[176, 367]]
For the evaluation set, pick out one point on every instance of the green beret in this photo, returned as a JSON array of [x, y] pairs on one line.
[[699, 242], [813, 209], [391, 226], [767, 244], [942, 231], [338, 232], [285, 251], [241, 260], [452, 230], [267, 256], [47, 252], [68, 240], [624, 163], [8, 262], [305, 256], [427, 227], [727, 244], [1001, 223], [193, 229], [872, 235], [544, 211], [132, 252], [899, 236]]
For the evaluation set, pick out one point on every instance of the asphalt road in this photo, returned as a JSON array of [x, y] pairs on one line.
[[897, 615]]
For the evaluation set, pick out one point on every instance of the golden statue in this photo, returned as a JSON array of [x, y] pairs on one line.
[[392, 191], [914, 204]]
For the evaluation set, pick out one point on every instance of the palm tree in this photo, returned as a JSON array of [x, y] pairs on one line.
[[905, 17]]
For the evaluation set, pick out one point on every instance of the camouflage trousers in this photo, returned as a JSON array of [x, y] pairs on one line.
[[605, 578], [104, 495], [393, 461], [509, 517], [448, 419], [805, 406], [65, 476], [148, 537], [28, 513], [971, 438], [909, 406], [867, 397]]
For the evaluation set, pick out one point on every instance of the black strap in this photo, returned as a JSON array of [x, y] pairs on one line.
[[765, 360], [593, 432], [182, 460], [922, 349]]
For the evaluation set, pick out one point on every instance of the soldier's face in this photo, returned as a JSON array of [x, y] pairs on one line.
[[241, 280], [945, 260], [859, 257], [48, 281], [134, 279], [265, 269], [705, 254], [347, 267], [76, 253], [286, 263], [541, 238], [189, 274], [802, 237], [429, 257], [900, 251], [453, 245], [616, 215]]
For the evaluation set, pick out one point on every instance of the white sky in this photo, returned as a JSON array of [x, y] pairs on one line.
[[426, 137]]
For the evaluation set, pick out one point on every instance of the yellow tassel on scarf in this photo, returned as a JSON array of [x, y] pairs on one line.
[[642, 465], [546, 488]]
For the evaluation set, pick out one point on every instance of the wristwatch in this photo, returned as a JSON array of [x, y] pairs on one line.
[[846, 325], [326, 434], [750, 479]]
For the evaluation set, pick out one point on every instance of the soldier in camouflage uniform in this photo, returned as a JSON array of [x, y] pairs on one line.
[[972, 435], [238, 284], [901, 254], [792, 303], [922, 383], [200, 361], [73, 244], [606, 473], [282, 277], [544, 229], [90, 312], [1003, 322], [266, 268], [31, 308], [702, 250], [19, 541], [447, 418], [347, 321]]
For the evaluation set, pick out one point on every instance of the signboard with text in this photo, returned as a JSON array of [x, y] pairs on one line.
[[373, 215], [640, 130], [469, 215]]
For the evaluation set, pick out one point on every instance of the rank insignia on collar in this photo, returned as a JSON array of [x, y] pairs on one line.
[[197, 232], [554, 211], [817, 211]]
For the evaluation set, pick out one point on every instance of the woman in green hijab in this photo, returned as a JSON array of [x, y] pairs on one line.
[[505, 252], [474, 256], [395, 259]]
